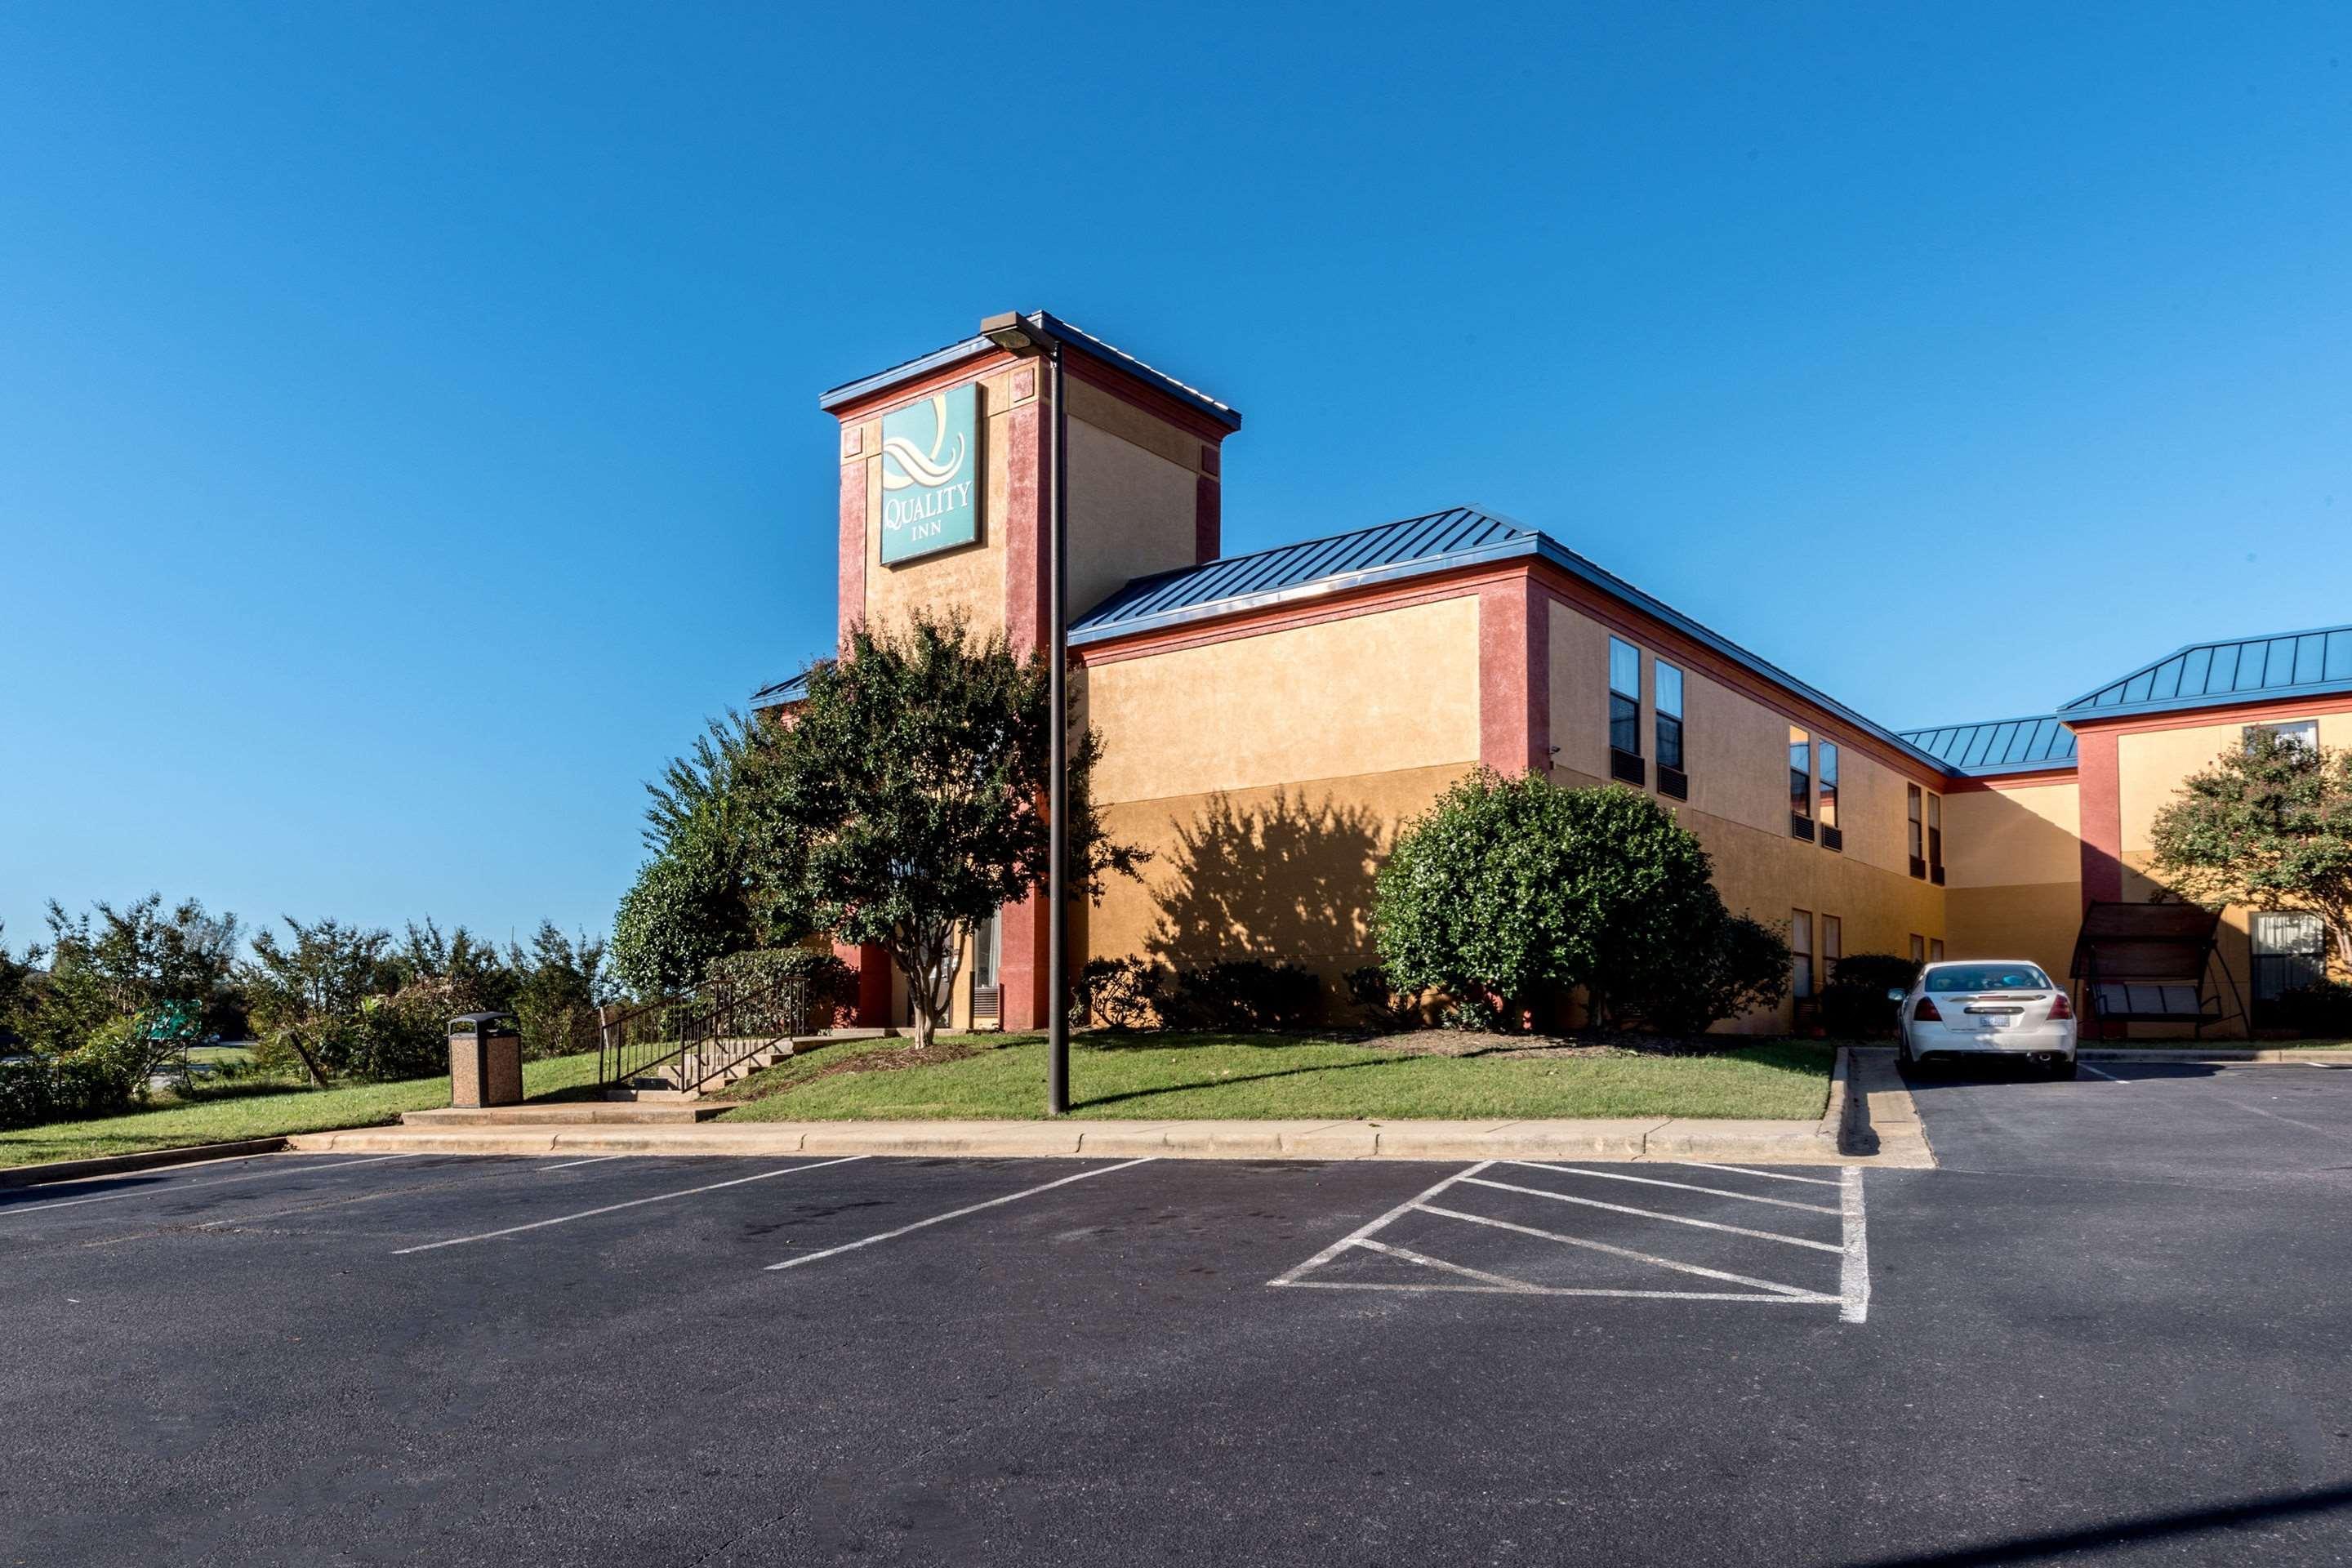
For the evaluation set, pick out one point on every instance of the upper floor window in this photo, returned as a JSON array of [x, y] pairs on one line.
[[1667, 694], [1800, 784], [1917, 827], [1625, 712], [2304, 733], [1833, 837], [1801, 953], [1935, 838]]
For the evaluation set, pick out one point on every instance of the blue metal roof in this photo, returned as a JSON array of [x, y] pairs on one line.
[[1411, 547], [777, 693], [2038, 745], [2203, 674], [1406, 548], [1086, 343]]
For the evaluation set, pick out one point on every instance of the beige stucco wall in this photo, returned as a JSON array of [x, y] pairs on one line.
[[1282, 873], [1132, 513], [2013, 868], [1368, 694]]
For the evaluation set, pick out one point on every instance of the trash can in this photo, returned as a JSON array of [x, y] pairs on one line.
[[485, 1060]]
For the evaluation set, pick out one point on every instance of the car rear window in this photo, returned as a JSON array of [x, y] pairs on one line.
[[1987, 977]]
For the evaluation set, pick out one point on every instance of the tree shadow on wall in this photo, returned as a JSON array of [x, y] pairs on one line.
[[1285, 882]]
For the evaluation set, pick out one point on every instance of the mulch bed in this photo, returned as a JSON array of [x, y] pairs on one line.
[[937, 1053]]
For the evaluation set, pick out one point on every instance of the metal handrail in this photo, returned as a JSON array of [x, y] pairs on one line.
[[687, 1041]]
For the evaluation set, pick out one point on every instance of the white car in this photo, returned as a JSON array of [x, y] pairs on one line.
[[1986, 1007]]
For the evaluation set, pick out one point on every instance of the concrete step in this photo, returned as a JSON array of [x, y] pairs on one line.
[[570, 1113]]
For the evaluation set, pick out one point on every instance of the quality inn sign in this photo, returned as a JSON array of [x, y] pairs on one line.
[[930, 464]]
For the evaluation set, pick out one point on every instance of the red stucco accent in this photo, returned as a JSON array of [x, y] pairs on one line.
[[1024, 526], [1513, 677], [853, 546], [873, 968], [2097, 767], [1024, 963], [1208, 525]]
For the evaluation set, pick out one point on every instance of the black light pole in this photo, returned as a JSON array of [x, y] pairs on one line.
[[1021, 333]]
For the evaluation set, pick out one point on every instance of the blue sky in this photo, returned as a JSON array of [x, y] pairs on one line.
[[407, 414]]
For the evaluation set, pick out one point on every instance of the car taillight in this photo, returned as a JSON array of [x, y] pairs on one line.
[[2062, 1009], [1926, 1013]]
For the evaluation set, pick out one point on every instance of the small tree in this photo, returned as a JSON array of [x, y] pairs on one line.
[[155, 971], [1510, 893], [904, 800], [698, 898], [2268, 827], [309, 996]]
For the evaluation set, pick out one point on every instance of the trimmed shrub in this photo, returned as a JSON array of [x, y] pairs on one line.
[[1732, 965], [1243, 995], [1117, 993], [24, 1096], [1855, 1004], [2320, 1012], [1508, 894]]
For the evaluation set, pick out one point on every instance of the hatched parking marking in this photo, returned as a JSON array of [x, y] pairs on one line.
[[1851, 1298]]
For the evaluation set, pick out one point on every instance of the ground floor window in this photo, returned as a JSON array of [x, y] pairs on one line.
[[1918, 949], [2290, 952], [1801, 953], [1935, 949], [987, 963], [1833, 946]]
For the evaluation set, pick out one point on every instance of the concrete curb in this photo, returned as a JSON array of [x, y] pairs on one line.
[[1624, 1140], [1883, 1125], [115, 1164], [2287, 1057]]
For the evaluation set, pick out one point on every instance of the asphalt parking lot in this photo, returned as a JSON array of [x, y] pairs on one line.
[[2110, 1327]]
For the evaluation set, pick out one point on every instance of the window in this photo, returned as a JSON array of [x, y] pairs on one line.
[[1918, 948], [1625, 712], [1833, 946], [1801, 953], [2304, 733], [1833, 837], [1935, 949], [1800, 784], [1667, 694], [1917, 829], [1990, 977], [1936, 839], [2289, 952]]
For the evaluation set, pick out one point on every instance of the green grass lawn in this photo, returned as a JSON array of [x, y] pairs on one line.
[[266, 1110], [1258, 1076]]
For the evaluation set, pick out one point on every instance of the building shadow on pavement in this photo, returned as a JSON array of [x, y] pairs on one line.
[[2148, 1528]]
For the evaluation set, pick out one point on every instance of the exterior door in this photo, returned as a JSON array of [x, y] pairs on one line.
[[2289, 952]]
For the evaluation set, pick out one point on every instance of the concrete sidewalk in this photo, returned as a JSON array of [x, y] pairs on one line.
[[1656, 1138], [1869, 1121]]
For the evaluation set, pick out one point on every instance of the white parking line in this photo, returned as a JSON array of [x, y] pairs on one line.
[[14, 1210], [1653, 1213], [574, 1164], [1853, 1269], [615, 1208], [1684, 1186], [956, 1213], [2096, 1073], [1744, 1171]]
